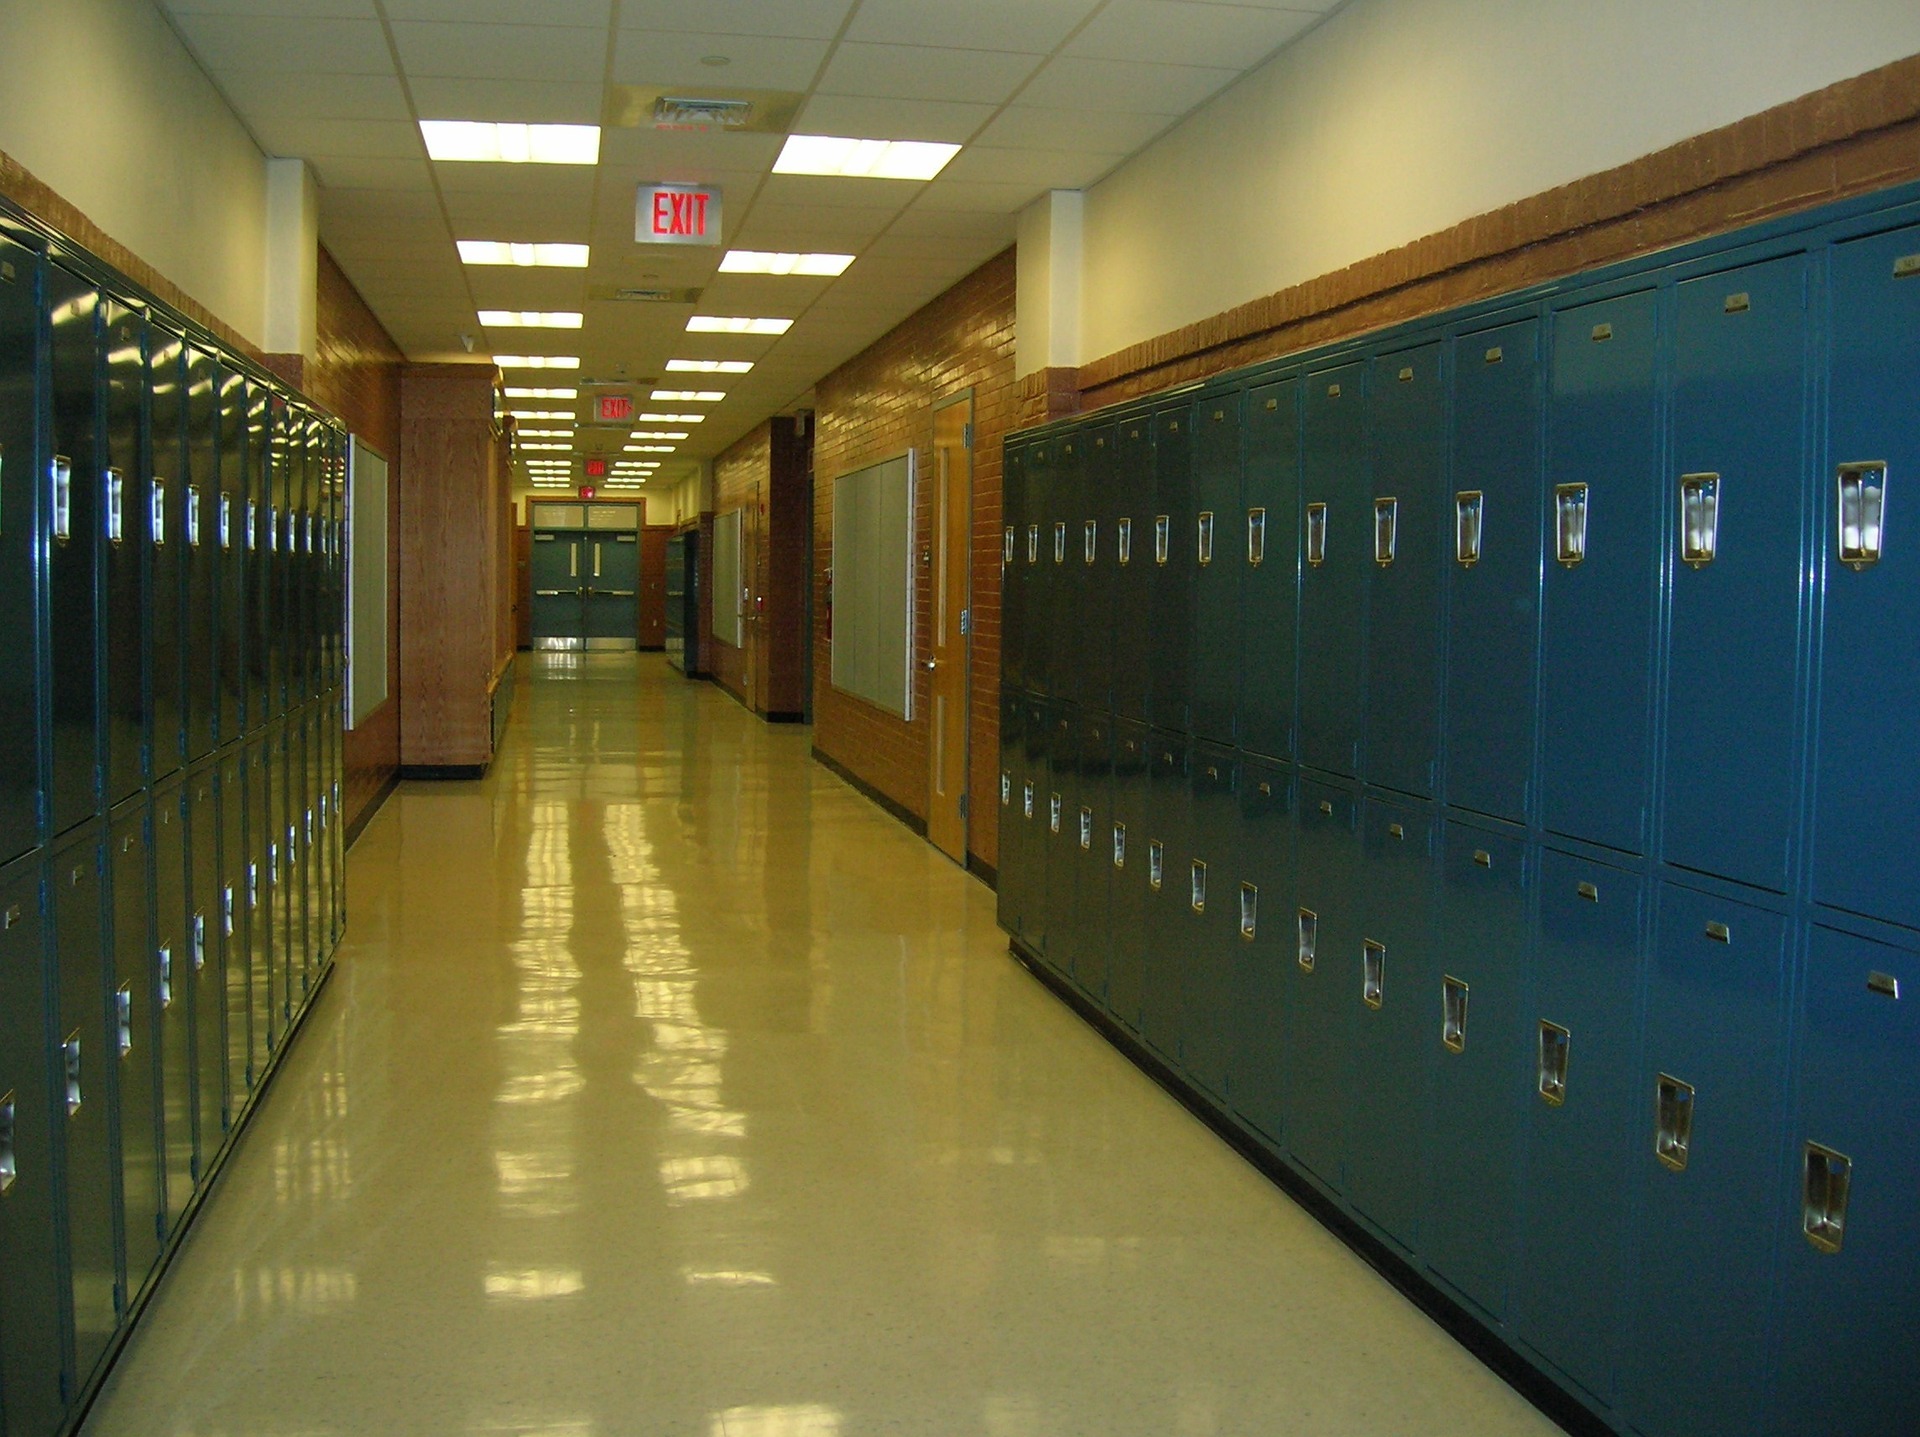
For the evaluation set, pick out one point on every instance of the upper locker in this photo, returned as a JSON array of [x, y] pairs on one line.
[[1071, 627], [1013, 571], [202, 554], [1094, 550], [1335, 548], [1169, 637], [166, 428], [68, 500], [1219, 564], [19, 519], [1270, 602], [126, 519], [254, 531], [1037, 580], [230, 546], [1131, 549]]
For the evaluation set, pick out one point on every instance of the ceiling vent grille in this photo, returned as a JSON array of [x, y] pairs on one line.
[[662, 107]]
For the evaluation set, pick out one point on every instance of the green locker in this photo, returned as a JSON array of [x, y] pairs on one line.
[[1206, 958], [1219, 564], [1036, 733], [125, 513], [202, 555], [265, 988], [1263, 911], [20, 467], [1335, 551], [1169, 636], [1090, 814], [229, 525], [1072, 626], [166, 571], [1011, 873], [256, 529], [205, 917], [224, 902], [1325, 975], [1168, 854], [69, 501], [1058, 918], [1128, 894], [1270, 605], [135, 1047], [1100, 501], [175, 993], [1041, 618], [1013, 569], [1133, 570]]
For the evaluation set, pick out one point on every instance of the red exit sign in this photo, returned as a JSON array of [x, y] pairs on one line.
[[677, 214], [615, 408], [596, 469]]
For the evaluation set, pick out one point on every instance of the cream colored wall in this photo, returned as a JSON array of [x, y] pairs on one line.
[[1398, 118], [103, 103]]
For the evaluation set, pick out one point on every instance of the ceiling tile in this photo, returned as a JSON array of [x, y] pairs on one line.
[[910, 72], [1142, 89], [863, 116], [1052, 169], [361, 172], [813, 19], [762, 294], [1174, 32], [755, 62], [1035, 26], [259, 95], [1005, 199], [503, 12], [538, 102], [297, 9], [521, 221], [837, 192], [1031, 127], [258, 43], [360, 139], [557, 185], [653, 151], [506, 52], [772, 226], [916, 221]]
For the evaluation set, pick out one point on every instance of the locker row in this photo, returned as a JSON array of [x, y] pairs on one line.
[[1559, 1086], [172, 850], [1623, 559]]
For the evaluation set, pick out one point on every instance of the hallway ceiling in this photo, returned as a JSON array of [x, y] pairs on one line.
[[1042, 94]]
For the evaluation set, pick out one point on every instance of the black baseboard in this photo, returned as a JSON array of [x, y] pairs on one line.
[[867, 790], [437, 771], [1522, 1376], [772, 717], [984, 871], [359, 824]]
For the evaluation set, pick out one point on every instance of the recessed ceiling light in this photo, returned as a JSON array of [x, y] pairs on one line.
[[566, 414], [548, 256], [537, 361], [511, 144], [546, 434], [716, 324], [753, 261], [648, 449], [708, 366], [544, 448], [530, 319], [658, 434], [689, 396], [863, 159], [672, 418], [513, 393]]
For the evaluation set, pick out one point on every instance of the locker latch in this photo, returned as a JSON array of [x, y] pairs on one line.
[[1086, 829], [1162, 538], [1699, 519], [1307, 934], [1060, 541], [1373, 973], [1026, 801], [157, 510], [1386, 530], [1256, 536], [1090, 540], [9, 1167], [1053, 813], [1570, 523], [1249, 911], [165, 957], [1673, 1125], [1197, 887], [123, 1018], [1033, 543], [200, 941], [116, 507], [1862, 500], [1203, 538], [62, 498], [1453, 1015], [1006, 790], [1827, 1182], [1552, 1081], [1123, 541], [1316, 535], [1468, 507], [1156, 864], [1119, 845], [70, 1057]]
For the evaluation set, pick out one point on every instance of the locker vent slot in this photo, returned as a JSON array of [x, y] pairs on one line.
[[9, 1168], [1162, 537], [1249, 911], [1203, 537], [1885, 984], [193, 516], [1123, 541], [1053, 813], [1086, 829], [1119, 845], [116, 507], [1554, 1043], [1468, 506], [1673, 1122], [1156, 864], [1033, 543], [1699, 518], [70, 1055], [1907, 266], [1570, 523], [1823, 1205], [1092, 540], [1453, 1015], [1862, 502], [1373, 973], [1602, 332], [62, 498], [123, 1018], [200, 941], [1197, 892], [166, 975], [1059, 542], [1738, 303], [1386, 530], [1307, 934], [1316, 535], [1256, 536]]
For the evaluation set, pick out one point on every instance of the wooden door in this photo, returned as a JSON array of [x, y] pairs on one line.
[[947, 659], [523, 586], [653, 586]]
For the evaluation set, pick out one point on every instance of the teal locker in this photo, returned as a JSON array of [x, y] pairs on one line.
[[1408, 447], [1128, 894], [1335, 548], [1090, 817], [126, 521], [1219, 562], [1325, 974], [224, 902], [20, 466], [1072, 625], [136, 1048], [201, 556], [1013, 568], [265, 990], [1100, 504], [69, 501], [1262, 905], [283, 866], [255, 530], [1168, 854], [229, 525], [1170, 628], [1207, 959], [175, 984], [1056, 858], [1041, 618], [166, 569], [1132, 550], [205, 953], [1011, 873], [1036, 732], [1270, 604]]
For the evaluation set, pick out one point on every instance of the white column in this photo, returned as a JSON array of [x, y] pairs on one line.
[[293, 258], [1046, 326]]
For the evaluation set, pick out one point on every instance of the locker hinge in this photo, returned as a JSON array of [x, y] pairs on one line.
[[966, 435], [966, 622]]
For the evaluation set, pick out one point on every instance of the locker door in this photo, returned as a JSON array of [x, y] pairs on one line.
[[1036, 731], [1072, 626], [1602, 571], [1476, 1048], [166, 573], [305, 608], [1495, 575], [1170, 629], [274, 566], [1013, 567], [1261, 892], [264, 987], [1050, 829], [1009, 890], [1128, 893], [84, 1061], [1851, 1227], [1101, 508], [1269, 614], [1092, 822], [1869, 692], [325, 935], [612, 567], [336, 789], [1585, 1121], [1169, 852], [1336, 544], [312, 865], [19, 464], [1709, 1158], [1739, 451], [1389, 981], [288, 880], [1325, 975], [175, 994], [1041, 618], [125, 513], [230, 507], [1132, 549], [203, 539], [203, 924], [1206, 961], [225, 905], [1409, 457], [136, 1046], [70, 500], [1219, 564], [254, 532], [30, 1298]]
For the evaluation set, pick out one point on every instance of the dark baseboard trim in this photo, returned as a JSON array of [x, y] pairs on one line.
[[867, 790], [773, 717], [984, 871], [358, 826], [650, 648], [436, 771], [1518, 1373]]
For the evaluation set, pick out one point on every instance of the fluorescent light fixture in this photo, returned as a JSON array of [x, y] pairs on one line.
[[546, 434], [672, 419], [566, 414], [716, 324], [689, 396], [658, 434], [648, 449], [537, 361], [531, 319], [863, 159], [513, 393], [547, 448], [511, 144], [709, 366], [752, 261], [544, 256]]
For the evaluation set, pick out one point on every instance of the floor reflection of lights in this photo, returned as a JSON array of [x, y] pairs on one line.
[[811, 1419]]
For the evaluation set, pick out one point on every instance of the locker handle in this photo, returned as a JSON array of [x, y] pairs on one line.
[[1554, 1044], [1469, 510], [1589, 892], [251, 538], [1885, 984], [1091, 540], [573, 560], [116, 506], [1203, 537], [226, 910], [1060, 541], [70, 1058], [596, 560], [1006, 789], [1053, 813], [1307, 937], [1673, 1122], [253, 887], [1719, 933], [62, 498], [1156, 864], [1826, 1186], [1453, 1015], [199, 942], [1086, 829], [1162, 537], [1123, 541], [1862, 501], [1570, 523], [1119, 845], [1699, 519], [1006, 548], [1026, 801], [1033, 543], [9, 1167], [1256, 536], [123, 1018], [157, 511], [1316, 535], [226, 523], [1197, 892], [1249, 910], [1326, 807], [165, 957], [1373, 973], [1386, 530]]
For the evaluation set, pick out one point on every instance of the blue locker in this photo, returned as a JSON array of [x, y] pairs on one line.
[[212, 986], [1091, 818], [125, 513], [1170, 629], [1169, 842], [1739, 451], [31, 1299], [1128, 894], [1336, 547], [224, 905], [1219, 563], [1477, 1046], [136, 1047], [1863, 858], [1325, 973], [1072, 626], [1494, 592], [202, 501], [166, 656], [1408, 443], [1270, 603], [1100, 503], [1602, 571], [254, 533], [1710, 1159], [1261, 895], [19, 466], [1207, 960], [174, 995], [1585, 1128], [69, 501], [1040, 616], [1390, 978], [1132, 551], [229, 520], [1851, 1225], [1011, 874]]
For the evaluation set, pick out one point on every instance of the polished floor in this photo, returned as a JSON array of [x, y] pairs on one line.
[[667, 1086]]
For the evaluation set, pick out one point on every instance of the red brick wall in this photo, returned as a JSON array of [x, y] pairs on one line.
[[741, 478], [874, 407], [767, 471]]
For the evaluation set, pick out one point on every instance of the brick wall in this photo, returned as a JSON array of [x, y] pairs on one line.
[[874, 407], [767, 472], [741, 478]]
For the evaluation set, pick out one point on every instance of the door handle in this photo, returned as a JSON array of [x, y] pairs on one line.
[[548, 593], [573, 560]]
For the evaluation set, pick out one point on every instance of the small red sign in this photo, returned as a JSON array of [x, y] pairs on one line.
[[615, 408], [677, 214], [596, 469], [587, 491]]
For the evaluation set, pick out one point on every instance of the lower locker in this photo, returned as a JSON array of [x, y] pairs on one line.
[[30, 1295], [1035, 727], [224, 900], [136, 1048], [264, 990], [1326, 953], [205, 916], [1057, 918], [1127, 891], [290, 879], [337, 790], [1091, 821], [1263, 946], [1205, 960], [1168, 854], [1012, 874], [174, 1000]]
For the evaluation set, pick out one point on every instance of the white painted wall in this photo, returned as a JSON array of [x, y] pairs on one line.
[[102, 102], [1047, 284], [1398, 118]]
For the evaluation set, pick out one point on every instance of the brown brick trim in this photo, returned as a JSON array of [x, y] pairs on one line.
[[1850, 138], [1049, 394]]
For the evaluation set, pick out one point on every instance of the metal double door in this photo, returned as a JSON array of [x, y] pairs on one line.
[[586, 589]]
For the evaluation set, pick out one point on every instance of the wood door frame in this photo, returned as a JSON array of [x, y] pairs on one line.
[[956, 563]]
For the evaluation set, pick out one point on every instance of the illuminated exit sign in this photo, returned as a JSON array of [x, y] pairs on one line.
[[677, 214], [615, 408], [596, 469]]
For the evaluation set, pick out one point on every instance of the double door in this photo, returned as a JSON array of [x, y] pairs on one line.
[[586, 589]]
